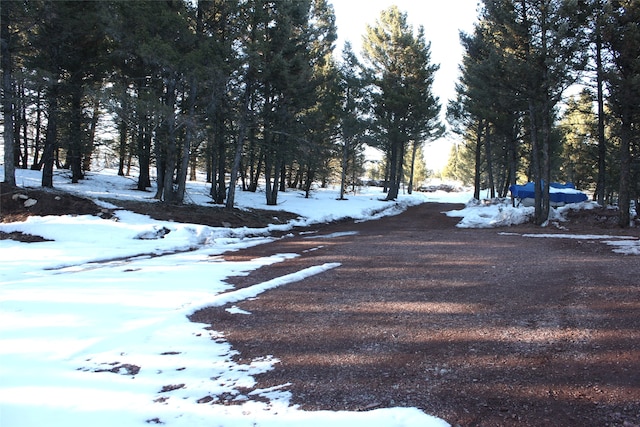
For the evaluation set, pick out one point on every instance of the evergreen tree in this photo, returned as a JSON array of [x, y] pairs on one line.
[[493, 91], [580, 148], [404, 108], [284, 68], [134, 98], [622, 35], [351, 122], [72, 45], [222, 92], [597, 22], [50, 41], [544, 42], [165, 51], [417, 172], [320, 120]]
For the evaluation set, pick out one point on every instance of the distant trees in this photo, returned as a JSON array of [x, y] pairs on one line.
[[579, 155], [519, 61]]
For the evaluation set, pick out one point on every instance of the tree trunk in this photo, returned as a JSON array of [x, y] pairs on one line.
[[476, 177], [343, 173], [122, 146], [414, 148], [183, 170], [602, 145], [7, 90], [283, 171], [272, 173], [144, 153], [75, 133], [308, 181], [51, 135], [546, 125], [24, 157], [394, 185], [237, 155], [88, 151], [37, 165], [221, 179], [512, 151], [257, 172], [624, 197], [489, 155], [535, 164], [166, 192], [218, 184]]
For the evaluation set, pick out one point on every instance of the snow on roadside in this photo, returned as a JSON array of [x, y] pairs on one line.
[[503, 214], [476, 215]]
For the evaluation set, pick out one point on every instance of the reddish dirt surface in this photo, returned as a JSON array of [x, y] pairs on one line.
[[473, 326], [478, 327]]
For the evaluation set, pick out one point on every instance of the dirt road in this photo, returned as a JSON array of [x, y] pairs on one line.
[[478, 327]]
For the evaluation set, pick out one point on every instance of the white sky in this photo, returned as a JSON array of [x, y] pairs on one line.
[[442, 21]]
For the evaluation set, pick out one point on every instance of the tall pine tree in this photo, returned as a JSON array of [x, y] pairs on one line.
[[404, 108], [622, 35]]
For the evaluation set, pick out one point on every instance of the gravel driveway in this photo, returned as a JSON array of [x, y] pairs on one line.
[[478, 327]]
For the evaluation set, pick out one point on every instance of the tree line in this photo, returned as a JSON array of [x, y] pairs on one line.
[[513, 113], [247, 91]]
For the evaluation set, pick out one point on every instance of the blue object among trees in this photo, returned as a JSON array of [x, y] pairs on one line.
[[559, 194]]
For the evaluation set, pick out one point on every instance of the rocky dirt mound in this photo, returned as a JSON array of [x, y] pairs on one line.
[[17, 204]]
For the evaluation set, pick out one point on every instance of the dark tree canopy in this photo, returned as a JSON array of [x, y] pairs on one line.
[[404, 110]]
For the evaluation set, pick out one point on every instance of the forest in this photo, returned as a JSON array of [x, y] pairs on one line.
[[550, 91], [253, 92], [250, 91]]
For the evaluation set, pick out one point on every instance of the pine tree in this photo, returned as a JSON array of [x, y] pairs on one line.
[[488, 109], [579, 128], [72, 45], [597, 22], [545, 45], [133, 98], [320, 119], [283, 65], [351, 122], [622, 35], [401, 73]]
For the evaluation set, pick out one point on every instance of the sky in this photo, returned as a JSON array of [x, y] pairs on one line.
[[94, 327], [442, 21]]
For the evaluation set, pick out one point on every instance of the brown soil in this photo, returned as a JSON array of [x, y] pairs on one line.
[[54, 202], [478, 327]]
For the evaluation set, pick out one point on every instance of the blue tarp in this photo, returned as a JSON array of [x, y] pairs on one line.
[[558, 193]]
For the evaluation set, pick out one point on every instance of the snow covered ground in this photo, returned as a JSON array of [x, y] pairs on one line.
[[94, 329]]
